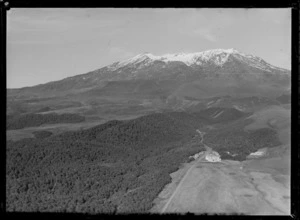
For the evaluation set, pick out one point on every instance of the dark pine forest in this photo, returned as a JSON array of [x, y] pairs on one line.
[[119, 166]]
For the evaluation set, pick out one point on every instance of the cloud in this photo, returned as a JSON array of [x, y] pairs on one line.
[[58, 21], [119, 53], [204, 23], [206, 34], [53, 26], [275, 16]]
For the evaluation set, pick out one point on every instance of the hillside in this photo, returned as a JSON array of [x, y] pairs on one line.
[[220, 115], [188, 67], [150, 108], [32, 120], [118, 166], [147, 84]]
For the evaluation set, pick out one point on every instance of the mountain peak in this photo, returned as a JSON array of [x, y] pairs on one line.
[[230, 50], [216, 57], [134, 60], [144, 55]]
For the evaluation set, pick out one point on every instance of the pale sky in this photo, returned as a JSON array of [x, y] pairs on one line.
[[51, 44]]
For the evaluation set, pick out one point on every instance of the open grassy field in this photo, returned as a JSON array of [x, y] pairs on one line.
[[225, 188], [259, 186]]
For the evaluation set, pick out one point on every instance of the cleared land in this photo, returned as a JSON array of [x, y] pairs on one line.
[[259, 186], [228, 188], [131, 161]]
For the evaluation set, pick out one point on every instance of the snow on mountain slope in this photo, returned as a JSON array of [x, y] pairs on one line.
[[195, 75], [217, 57]]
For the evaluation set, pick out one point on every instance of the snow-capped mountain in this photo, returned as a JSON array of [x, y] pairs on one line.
[[217, 57], [184, 81], [199, 74]]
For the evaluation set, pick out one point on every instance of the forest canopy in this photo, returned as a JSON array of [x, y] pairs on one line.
[[32, 120], [115, 167]]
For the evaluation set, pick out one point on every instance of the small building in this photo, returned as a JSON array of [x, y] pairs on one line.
[[213, 156], [197, 155], [259, 153]]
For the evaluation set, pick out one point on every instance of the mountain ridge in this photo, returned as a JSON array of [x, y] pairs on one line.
[[220, 58], [153, 84]]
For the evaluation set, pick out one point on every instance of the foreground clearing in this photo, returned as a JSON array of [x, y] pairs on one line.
[[228, 187]]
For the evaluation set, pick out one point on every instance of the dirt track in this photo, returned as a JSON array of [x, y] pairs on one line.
[[252, 187], [226, 188]]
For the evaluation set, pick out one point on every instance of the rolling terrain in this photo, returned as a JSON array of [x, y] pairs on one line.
[[121, 139], [119, 166], [74, 170], [257, 186], [146, 83]]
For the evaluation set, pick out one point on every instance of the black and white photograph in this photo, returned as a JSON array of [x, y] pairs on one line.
[[149, 111]]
